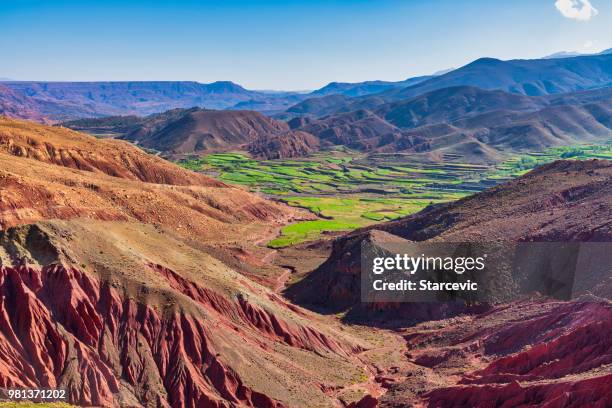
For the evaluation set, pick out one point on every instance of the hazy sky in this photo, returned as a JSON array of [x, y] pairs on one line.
[[288, 44]]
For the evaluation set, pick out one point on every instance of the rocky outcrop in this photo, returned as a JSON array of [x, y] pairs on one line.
[[260, 319], [62, 328], [582, 342], [571, 394], [527, 353]]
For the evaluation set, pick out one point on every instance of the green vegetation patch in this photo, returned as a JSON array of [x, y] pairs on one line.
[[309, 230], [349, 190], [521, 164]]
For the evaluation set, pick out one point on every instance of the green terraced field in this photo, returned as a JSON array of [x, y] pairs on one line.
[[519, 165], [341, 214], [348, 190]]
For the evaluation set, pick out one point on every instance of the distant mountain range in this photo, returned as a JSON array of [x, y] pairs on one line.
[[58, 101], [479, 111], [479, 125], [526, 77], [367, 87], [69, 100], [569, 54], [61, 101]]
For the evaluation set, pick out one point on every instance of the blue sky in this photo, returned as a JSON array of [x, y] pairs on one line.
[[289, 44]]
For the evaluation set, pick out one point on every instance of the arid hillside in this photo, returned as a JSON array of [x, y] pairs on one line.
[[197, 131], [66, 148], [561, 201], [528, 353], [192, 132], [130, 292]]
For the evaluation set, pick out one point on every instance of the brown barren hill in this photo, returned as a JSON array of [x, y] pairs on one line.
[[67, 148], [286, 145], [567, 200], [195, 131], [48, 172]]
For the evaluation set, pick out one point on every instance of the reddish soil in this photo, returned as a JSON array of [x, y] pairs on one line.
[[79, 343], [132, 326], [128, 281], [527, 353], [67, 148]]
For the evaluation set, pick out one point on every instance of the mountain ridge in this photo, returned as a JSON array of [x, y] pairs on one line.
[[352, 89], [535, 77], [57, 101], [479, 125], [179, 133]]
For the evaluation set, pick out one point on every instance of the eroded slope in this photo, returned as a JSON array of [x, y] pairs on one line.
[[122, 313], [67, 148], [125, 292]]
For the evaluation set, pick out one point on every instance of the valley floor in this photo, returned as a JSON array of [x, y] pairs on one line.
[[348, 190]]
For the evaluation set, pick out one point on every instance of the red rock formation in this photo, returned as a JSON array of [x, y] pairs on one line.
[[266, 323], [527, 353], [62, 328], [593, 392]]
